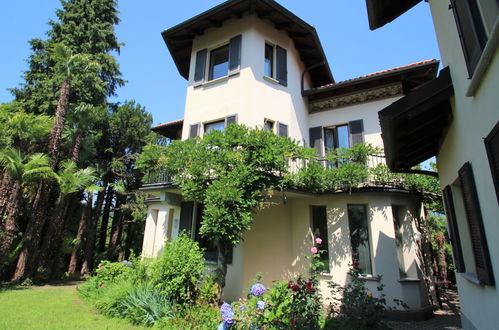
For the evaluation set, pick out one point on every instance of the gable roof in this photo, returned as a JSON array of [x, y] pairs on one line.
[[180, 37]]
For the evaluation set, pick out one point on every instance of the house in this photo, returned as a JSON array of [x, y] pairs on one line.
[[455, 118], [253, 62]]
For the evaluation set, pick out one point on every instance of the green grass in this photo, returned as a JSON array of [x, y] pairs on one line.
[[51, 307]]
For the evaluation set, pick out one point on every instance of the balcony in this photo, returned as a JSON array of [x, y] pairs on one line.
[[329, 175]]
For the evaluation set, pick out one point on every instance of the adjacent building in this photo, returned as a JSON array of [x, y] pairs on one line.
[[455, 118]]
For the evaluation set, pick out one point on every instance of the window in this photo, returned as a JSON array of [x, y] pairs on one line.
[[471, 31], [210, 249], [336, 137], [268, 125], [214, 126], [399, 242], [492, 147], [223, 61], [219, 62], [475, 224], [268, 68], [359, 237], [325, 139], [319, 229], [279, 70], [220, 125]]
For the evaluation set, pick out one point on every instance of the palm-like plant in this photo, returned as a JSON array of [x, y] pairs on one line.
[[71, 179], [24, 172]]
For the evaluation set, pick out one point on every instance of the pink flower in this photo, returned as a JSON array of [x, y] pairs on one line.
[[313, 250], [318, 240]]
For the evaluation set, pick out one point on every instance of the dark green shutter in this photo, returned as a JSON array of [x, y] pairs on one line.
[[492, 147], [475, 223], [282, 66], [235, 54], [316, 139], [356, 128], [194, 131], [230, 120], [471, 31], [453, 230], [186, 212], [282, 129], [200, 69]]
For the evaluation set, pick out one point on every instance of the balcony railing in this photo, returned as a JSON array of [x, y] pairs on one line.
[[371, 172]]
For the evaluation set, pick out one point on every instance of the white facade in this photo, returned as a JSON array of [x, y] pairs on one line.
[[474, 117], [282, 234]]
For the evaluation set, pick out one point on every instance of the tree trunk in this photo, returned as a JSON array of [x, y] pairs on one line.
[[31, 239], [5, 195], [82, 228], [60, 118], [223, 258], [75, 150], [10, 226], [128, 243], [54, 226], [105, 220], [442, 263], [116, 229], [91, 233]]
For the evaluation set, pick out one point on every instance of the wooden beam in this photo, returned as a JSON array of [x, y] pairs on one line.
[[215, 22], [198, 32], [185, 37], [265, 14]]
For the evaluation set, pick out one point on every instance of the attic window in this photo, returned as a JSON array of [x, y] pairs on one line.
[[219, 62]]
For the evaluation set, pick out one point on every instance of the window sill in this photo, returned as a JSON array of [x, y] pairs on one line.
[[485, 60], [215, 81], [271, 80], [370, 278], [409, 280], [471, 278]]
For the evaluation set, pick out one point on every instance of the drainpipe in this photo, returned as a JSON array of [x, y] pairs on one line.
[[306, 70]]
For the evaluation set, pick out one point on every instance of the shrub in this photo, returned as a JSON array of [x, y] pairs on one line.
[[179, 270], [359, 308], [144, 305], [198, 316]]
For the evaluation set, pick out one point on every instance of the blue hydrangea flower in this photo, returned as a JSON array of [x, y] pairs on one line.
[[227, 313], [257, 289], [260, 304], [128, 263], [242, 308]]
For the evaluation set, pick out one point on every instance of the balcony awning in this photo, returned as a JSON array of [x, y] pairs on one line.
[[414, 126], [171, 130], [381, 12]]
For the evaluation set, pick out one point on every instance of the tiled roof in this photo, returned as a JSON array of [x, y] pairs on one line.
[[162, 125], [382, 72]]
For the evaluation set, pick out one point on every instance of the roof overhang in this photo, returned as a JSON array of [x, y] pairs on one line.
[[180, 37], [414, 126], [171, 130], [381, 12]]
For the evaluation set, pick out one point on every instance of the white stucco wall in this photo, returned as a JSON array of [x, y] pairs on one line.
[[367, 111], [281, 237], [473, 119], [247, 93]]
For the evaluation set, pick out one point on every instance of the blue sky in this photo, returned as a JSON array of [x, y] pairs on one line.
[[153, 80]]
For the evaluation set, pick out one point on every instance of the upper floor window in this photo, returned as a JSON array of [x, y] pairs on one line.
[[471, 31], [268, 68], [336, 137], [268, 125], [223, 61], [275, 64], [214, 126], [219, 62], [325, 139]]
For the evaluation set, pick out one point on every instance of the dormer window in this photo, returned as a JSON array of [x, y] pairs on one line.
[[219, 62]]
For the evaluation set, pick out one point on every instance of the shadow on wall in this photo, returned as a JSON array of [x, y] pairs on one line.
[[339, 237]]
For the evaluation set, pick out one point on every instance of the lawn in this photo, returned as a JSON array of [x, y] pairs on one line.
[[51, 307]]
